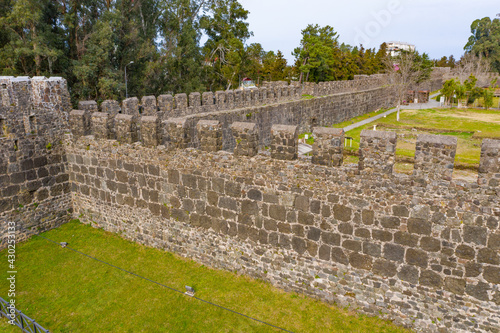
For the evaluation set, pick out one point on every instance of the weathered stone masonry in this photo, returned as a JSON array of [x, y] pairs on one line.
[[34, 184], [335, 102], [422, 250]]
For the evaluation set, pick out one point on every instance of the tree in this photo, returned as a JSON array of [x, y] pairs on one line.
[[485, 40], [96, 79], [224, 24], [179, 67], [275, 66], [448, 90], [317, 53], [488, 94], [470, 64], [443, 62], [405, 70], [29, 37], [254, 62], [451, 61], [380, 58]]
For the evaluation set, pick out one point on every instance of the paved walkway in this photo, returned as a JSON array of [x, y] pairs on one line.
[[431, 104], [305, 148]]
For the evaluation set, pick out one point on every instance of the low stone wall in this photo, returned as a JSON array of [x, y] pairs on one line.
[[419, 250]]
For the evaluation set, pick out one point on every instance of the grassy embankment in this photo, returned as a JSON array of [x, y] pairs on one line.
[[67, 292]]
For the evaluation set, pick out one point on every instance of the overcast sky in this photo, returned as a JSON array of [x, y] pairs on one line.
[[437, 27]]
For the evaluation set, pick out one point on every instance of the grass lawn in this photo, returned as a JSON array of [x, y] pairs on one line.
[[359, 118], [470, 126], [478, 103], [67, 292]]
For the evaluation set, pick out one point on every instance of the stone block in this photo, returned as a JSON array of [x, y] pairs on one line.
[[263, 94], [377, 152], [166, 105], [90, 106], [489, 163], [430, 279], [130, 106], [208, 100], [111, 107], [416, 257], [238, 99], [150, 131], [176, 133], [247, 97], [284, 142], [101, 125], [384, 268], [229, 99], [195, 101], [328, 146], [126, 128], [181, 103], [79, 122], [256, 99], [247, 138], [149, 107], [209, 135], [277, 93], [220, 100], [434, 157]]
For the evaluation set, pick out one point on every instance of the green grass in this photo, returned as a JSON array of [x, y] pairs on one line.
[[478, 103], [67, 292], [470, 126], [359, 118], [310, 139]]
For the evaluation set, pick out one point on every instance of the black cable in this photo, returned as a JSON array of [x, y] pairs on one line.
[[162, 285]]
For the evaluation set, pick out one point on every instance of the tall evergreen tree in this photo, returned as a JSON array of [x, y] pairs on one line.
[[224, 24], [485, 40]]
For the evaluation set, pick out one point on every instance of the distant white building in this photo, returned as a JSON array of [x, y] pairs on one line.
[[393, 48]]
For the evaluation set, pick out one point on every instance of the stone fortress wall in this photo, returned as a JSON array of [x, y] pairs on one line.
[[277, 104], [34, 183], [422, 250]]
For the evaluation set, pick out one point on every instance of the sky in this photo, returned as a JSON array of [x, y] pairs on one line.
[[436, 27]]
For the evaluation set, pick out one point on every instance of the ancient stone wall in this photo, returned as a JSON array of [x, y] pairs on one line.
[[34, 183], [420, 250], [181, 105], [305, 113], [483, 80]]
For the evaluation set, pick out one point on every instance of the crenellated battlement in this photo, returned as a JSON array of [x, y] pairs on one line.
[[419, 249], [346, 233], [32, 106], [180, 105], [272, 104], [434, 158], [34, 187]]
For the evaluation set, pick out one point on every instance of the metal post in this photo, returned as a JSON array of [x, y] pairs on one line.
[[126, 87]]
